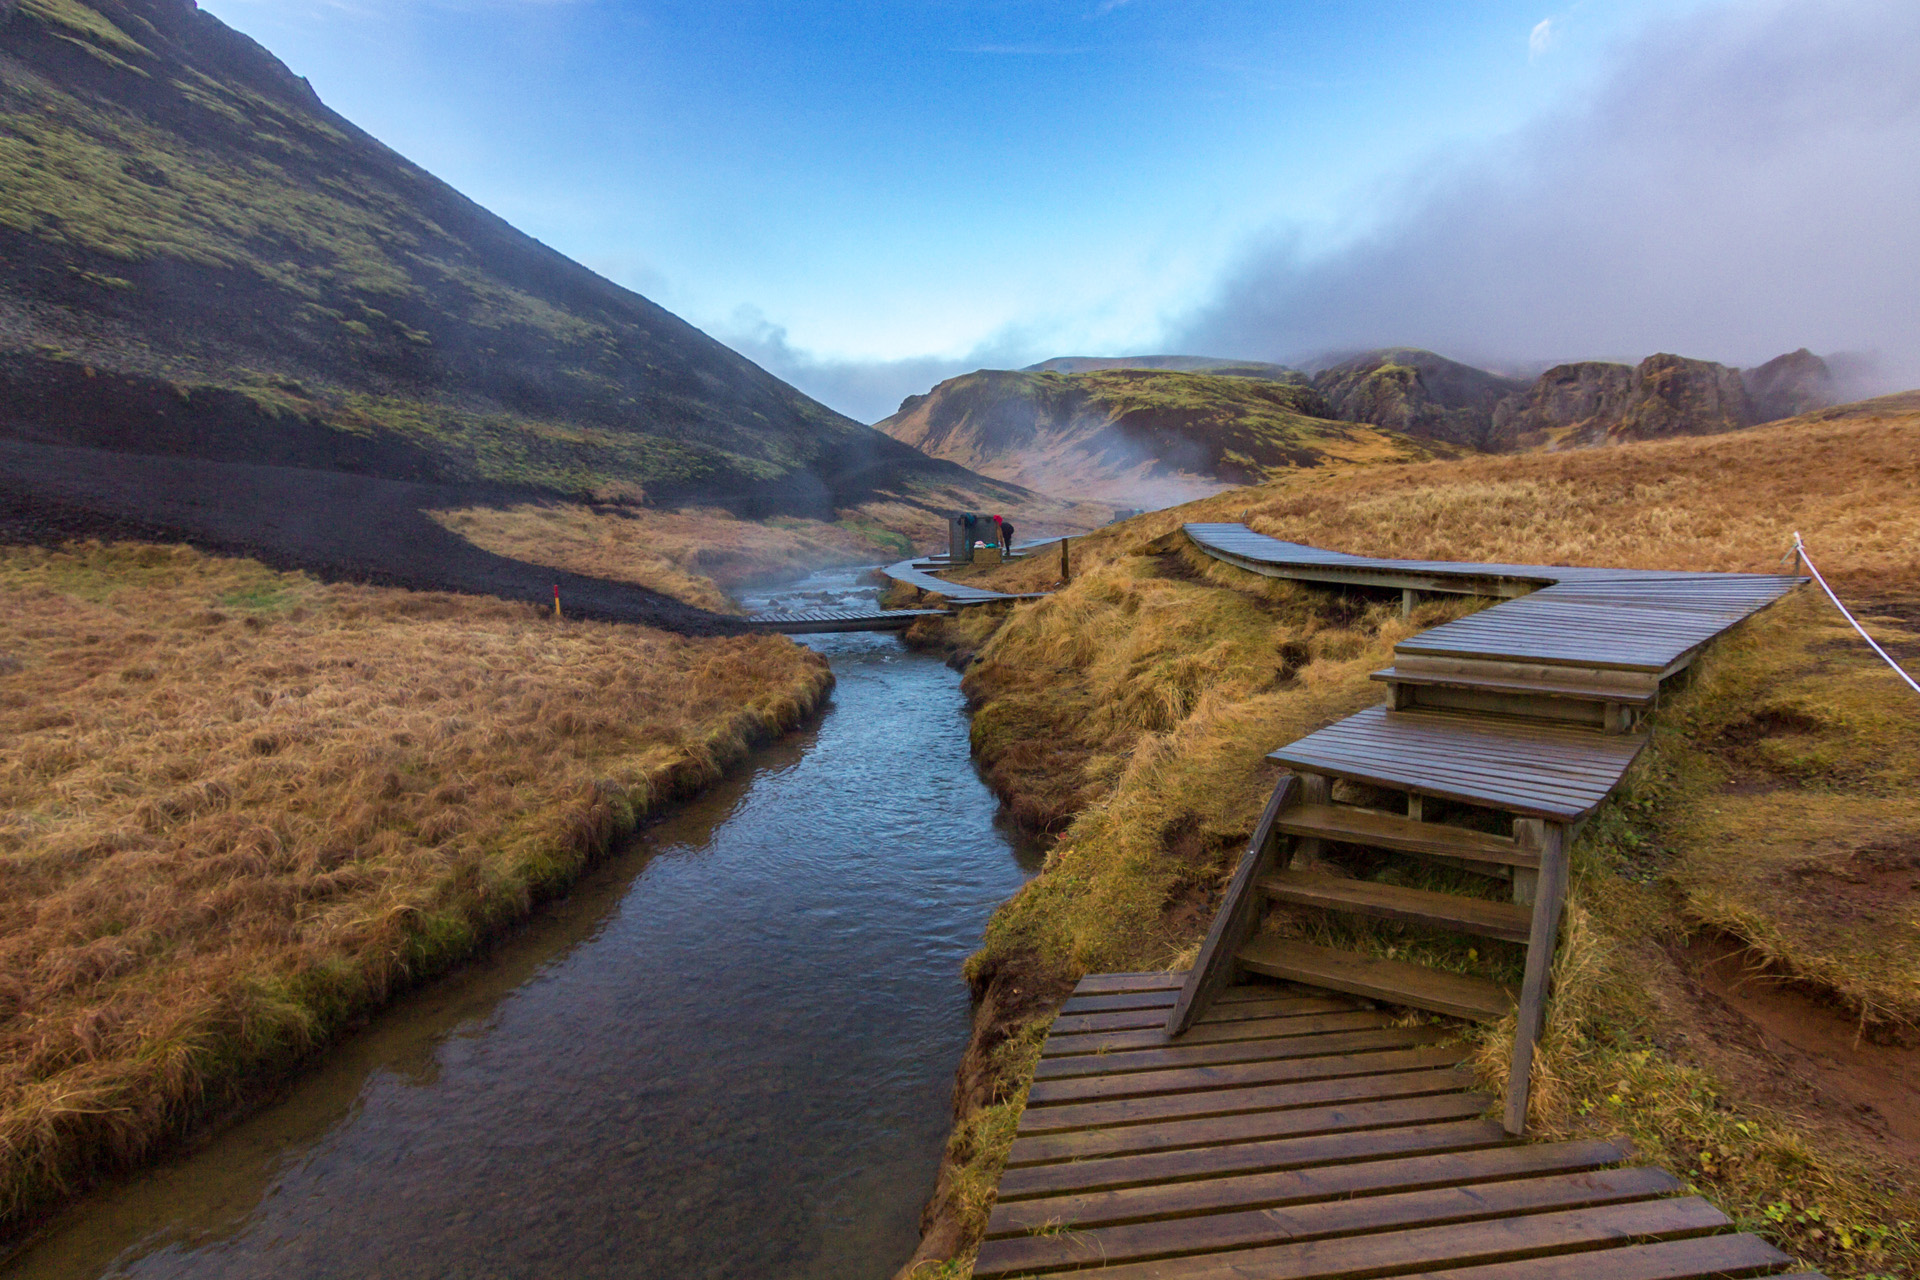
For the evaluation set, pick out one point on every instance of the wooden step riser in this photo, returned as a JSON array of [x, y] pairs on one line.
[[1610, 715], [1395, 982], [1445, 912], [1371, 828], [1634, 689], [1557, 710]]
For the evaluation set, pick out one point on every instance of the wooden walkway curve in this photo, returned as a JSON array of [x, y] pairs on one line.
[[1277, 1113], [917, 573]]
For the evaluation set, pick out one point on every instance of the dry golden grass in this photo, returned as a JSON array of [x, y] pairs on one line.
[[1728, 503], [241, 807], [1132, 711], [698, 555], [695, 556]]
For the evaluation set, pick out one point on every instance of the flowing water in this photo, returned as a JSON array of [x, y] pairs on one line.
[[729, 1052]]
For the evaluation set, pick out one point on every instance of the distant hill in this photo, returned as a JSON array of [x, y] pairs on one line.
[[1138, 437], [1582, 404], [199, 260], [1595, 403], [1417, 393], [1178, 364]]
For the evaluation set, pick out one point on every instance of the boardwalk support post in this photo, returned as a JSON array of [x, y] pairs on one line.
[[1315, 788], [1549, 896], [1239, 911]]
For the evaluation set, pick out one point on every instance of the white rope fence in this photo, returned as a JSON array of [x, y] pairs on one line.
[[1799, 552]]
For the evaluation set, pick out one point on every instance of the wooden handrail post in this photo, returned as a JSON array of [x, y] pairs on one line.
[[1213, 968], [1549, 896]]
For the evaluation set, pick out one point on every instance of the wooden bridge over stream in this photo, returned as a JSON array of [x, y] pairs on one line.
[[1274, 1114], [918, 574]]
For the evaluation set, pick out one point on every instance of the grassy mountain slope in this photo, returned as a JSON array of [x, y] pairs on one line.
[[199, 259], [1139, 437]]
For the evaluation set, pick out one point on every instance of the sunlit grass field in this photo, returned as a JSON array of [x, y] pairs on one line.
[[239, 807]]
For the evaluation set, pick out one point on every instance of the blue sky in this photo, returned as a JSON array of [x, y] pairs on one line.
[[876, 193]]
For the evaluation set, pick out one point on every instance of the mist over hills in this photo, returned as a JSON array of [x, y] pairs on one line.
[[200, 260], [1152, 430], [1140, 436]]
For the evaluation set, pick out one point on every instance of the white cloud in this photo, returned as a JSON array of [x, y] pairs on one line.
[[1542, 39], [1742, 183]]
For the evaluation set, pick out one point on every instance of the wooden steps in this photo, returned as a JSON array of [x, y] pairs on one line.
[[1371, 1165], [1560, 773], [1609, 700], [1394, 981], [1511, 678], [1346, 824], [1505, 920]]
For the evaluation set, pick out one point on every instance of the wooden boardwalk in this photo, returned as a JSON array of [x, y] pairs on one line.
[[1277, 1112], [799, 622], [1294, 1134], [917, 573]]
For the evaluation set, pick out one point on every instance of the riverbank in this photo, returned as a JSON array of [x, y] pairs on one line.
[[244, 807], [1130, 713]]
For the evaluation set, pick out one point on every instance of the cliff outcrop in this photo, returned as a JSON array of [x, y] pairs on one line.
[[1417, 393]]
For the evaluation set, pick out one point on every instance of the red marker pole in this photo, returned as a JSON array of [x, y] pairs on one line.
[[556, 602]]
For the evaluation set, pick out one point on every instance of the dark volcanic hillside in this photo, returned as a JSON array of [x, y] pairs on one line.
[[199, 259], [1134, 436]]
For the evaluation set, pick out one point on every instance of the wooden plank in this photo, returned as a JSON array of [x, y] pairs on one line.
[[1215, 1032], [1452, 1246], [1112, 983], [1456, 995], [1304, 1093], [1247, 1157], [1251, 1126], [1119, 1020], [1300, 1186], [1375, 829], [1121, 1000], [1322, 1220], [1450, 911], [1136, 1084], [1225, 1010], [1550, 894], [1180, 1055], [1699, 1258], [1239, 913]]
